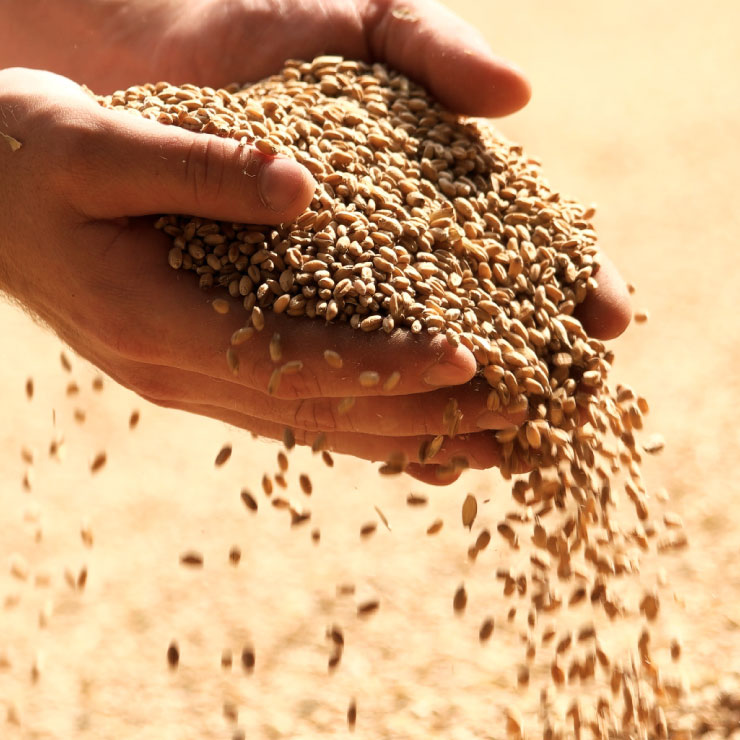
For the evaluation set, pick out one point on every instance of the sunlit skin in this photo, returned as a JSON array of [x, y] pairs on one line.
[[78, 250]]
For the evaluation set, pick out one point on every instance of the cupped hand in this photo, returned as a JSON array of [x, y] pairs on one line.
[[93, 268], [79, 254]]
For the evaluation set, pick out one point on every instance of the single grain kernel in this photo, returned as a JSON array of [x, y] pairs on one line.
[[173, 655], [288, 439], [86, 533], [368, 607], [242, 335], [221, 305], [305, 483], [248, 658], [416, 499], [352, 714], [369, 378], [267, 486], [486, 629], [345, 405], [392, 381], [641, 317], [248, 500], [469, 511], [223, 456], [192, 558], [235, 554], [460, 599], [232, 361], [276, 349], [333, 359], [98, 462], [435, 526]]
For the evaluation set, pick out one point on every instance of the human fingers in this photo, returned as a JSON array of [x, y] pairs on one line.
[[447, 55], [606, 312], [160, 317], [462, 410], [477, 451], [167, 169]]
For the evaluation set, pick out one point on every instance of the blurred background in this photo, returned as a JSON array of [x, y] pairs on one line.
[[636, 108]]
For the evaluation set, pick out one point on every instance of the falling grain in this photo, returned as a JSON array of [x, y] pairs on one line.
[[469, 511], [86, 533], [435, 526], [288, 439], [641, 317], [366, 608], [416, 499], [352, 715], [486, 629], [223, 455], [192, 558], [383, 518], [173, 655], [98, 462], [248, 500], [460, 599], [248, 658], [19, 567]]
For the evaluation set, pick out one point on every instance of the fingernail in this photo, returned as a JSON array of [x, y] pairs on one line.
[[446, 373], [491, 420], [279, 183]]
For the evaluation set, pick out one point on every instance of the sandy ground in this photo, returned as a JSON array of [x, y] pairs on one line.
[[636, 107]]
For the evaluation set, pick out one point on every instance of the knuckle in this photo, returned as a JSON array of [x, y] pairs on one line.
[[301, 385], [206, 169], [314, 416]]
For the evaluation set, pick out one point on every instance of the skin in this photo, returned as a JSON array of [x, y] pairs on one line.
[[93, 268]]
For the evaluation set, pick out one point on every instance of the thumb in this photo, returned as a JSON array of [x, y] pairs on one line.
[[166, 169]]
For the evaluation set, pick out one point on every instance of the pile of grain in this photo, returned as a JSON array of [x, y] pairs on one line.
[[424, 221]]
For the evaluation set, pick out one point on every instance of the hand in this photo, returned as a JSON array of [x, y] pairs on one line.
[[110, 46], [125, 310]]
